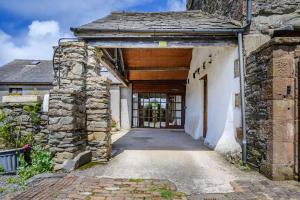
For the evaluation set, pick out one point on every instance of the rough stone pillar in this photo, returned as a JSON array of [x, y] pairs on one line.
[[67, 115], [79, 112], [97, 108], [271, 109]]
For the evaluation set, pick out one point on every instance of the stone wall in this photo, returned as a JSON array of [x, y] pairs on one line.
[[25, 122], [79, 114], [268, 15], [271, 108], [98, 114], [230, 8]]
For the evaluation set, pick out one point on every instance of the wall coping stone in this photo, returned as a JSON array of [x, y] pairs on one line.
[[22, 99]]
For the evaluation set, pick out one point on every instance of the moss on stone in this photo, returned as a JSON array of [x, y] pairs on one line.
[[90, 165]]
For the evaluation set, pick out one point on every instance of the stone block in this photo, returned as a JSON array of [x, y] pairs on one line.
[[283, 67], [22, 99], [282, 109], [80, 160], [283, 88], [281, 172], [283, 130], [283, 153]]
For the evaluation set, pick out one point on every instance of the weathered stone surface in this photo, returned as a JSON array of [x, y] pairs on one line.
[[79, 103], [25, 123], [271, 99], [80, 160]]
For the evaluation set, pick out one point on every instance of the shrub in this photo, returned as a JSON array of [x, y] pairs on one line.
[[10, 134], [1, 169], [41, 163]]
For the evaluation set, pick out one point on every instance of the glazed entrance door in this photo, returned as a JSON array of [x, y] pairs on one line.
[[157, 110], [175, 111]]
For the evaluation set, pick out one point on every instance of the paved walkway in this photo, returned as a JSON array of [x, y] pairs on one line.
[[170, 155], [89, 188], [74, 187], [160, 164]]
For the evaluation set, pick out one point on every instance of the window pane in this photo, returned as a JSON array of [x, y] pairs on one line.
[[178, 122], [163, 98], [135, 105], [135, 122], [178, 106], [135, 97], [178, 98], [135, 113], [178, 114]]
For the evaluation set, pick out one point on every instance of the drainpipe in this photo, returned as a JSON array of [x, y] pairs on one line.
[[242, 91], [242, 81], [249, 12]]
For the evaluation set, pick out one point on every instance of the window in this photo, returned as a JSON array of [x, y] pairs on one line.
[[15, 91]]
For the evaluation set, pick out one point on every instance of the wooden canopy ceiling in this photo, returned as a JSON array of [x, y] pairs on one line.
[[157, 64]]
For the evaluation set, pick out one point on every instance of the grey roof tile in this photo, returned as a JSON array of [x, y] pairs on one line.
[[186, 20], [22, 71]]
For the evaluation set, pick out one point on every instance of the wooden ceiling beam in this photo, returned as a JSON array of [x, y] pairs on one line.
[[157, 75]]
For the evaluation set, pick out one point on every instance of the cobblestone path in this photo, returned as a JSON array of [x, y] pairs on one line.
[[93, 188]]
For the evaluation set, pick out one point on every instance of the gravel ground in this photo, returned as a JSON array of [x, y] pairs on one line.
[[6, 187]]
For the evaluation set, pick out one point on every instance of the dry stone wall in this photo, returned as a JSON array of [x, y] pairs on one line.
[[79, 114], [25, 122]]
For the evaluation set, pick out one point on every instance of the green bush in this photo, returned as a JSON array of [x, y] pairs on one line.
[[41, 163], [1, 169], [10, 134], [33, 111]]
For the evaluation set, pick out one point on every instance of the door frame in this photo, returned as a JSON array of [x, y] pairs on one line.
[[205, 103]]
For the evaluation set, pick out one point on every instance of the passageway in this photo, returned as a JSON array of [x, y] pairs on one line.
[[172, 155]]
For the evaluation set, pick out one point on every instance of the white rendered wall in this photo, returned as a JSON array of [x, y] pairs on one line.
[[126, 107], [115, 103], [222, 116]]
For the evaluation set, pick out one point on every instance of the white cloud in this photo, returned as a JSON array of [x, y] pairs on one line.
[[68, 13], [38, 43], [176, 5], [57, 17]]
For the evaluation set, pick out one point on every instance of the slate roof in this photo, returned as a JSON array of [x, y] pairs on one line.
[[24, 72], [158, 21]]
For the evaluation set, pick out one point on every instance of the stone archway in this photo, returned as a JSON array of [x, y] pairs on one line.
[[79, 112]]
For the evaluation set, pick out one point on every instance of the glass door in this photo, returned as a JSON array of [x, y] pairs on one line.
[[175, 107], [149, 110]]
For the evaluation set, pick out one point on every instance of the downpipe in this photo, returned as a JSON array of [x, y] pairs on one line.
[[242, 91]]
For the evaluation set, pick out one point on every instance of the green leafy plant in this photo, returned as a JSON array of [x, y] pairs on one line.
[[41, 163], [1, 169], [113, 123], [33, 111], [12, 180], [10, 134]]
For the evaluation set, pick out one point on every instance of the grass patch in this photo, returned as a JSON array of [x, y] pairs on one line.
[[136, 180], [166, 194], [2, 189], [12, 180], [89, 165]]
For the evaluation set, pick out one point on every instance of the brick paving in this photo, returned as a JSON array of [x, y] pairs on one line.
[[257, 190], [95, 188]]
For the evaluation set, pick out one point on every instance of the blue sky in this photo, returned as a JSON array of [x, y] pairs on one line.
[[29, 28]]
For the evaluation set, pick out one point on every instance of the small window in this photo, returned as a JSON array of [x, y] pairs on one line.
[[15, 91]]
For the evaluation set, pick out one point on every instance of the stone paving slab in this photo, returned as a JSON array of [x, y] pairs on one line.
[[257, 190], [93, 188]]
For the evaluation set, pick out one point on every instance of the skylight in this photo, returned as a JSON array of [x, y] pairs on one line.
[[35, 62]]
